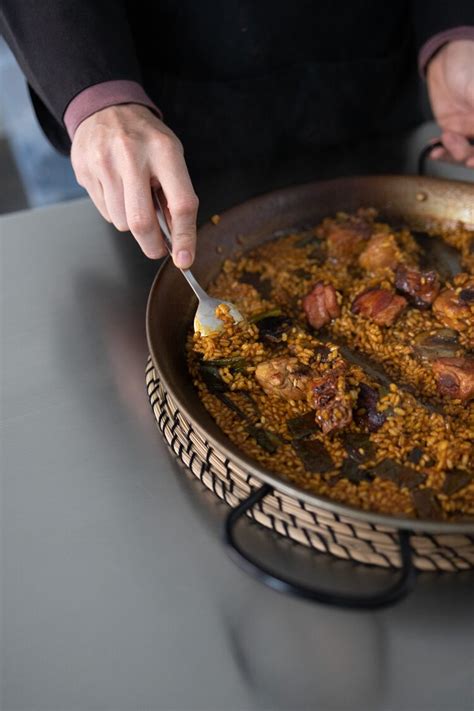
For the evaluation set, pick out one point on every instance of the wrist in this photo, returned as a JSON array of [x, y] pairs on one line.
[[432, 48], [104, 95], [117, 122], [456, 55]]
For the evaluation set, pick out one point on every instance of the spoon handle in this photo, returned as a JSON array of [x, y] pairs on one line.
[[165, 231]]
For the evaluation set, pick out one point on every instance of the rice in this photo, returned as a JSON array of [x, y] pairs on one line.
[[426, 438]]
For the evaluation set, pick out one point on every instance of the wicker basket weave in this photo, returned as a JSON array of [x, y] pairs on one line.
[[342, 536]]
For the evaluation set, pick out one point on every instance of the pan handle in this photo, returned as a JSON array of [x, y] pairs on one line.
[[426, 151], [403, 585]]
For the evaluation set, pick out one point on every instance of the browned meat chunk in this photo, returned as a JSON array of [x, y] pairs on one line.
[[421, 288], [381, 253], [321, 305], [329, 397], [455, 377], [346, 240], [283, 377], [451, 310], [379, 305]]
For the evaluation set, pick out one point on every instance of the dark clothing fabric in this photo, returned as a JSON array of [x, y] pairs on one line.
[[236, 80]]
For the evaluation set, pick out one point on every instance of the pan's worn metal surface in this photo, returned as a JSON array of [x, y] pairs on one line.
[[418, 203]]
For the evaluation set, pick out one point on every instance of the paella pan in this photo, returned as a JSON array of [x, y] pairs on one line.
[[441, 535]]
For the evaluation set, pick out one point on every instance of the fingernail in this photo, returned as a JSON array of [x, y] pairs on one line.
[[183, 259]]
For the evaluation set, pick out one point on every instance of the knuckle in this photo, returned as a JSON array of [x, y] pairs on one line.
[[101, 156], [127, 147], [185, 206], [81, 179], [76, 161], [178, 146], [122, 146], [141, 223], [183, 240], [167, 142], [79, 167]]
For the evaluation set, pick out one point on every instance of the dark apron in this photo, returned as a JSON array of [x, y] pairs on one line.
[[306, 114], [263, 108]]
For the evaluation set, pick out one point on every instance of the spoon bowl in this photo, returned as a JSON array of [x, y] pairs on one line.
[[205, 319]]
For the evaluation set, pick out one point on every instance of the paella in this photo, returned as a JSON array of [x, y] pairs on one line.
[[352, 374]]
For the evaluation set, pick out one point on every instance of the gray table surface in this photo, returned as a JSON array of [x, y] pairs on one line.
[[116, 593]]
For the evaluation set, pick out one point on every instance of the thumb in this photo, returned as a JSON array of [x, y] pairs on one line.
[[182, 206], [183, 231]]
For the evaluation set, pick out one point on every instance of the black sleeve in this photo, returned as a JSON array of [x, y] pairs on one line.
[[433, 16], [65, 46]]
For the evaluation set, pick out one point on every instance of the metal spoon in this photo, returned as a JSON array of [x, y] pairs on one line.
[[205, 320]]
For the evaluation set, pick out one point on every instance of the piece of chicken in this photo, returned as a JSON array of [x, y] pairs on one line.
[[346, 240], [381, 253], [420, 287], [284, 377], [328, 396], [451, 310], [455, 377], [321, 305], [379, 305]]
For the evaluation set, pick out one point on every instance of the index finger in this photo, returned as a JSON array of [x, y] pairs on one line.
[[182, 204], [141, 216]]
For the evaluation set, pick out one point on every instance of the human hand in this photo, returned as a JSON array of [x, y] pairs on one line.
[[117, 154], [450, 78]]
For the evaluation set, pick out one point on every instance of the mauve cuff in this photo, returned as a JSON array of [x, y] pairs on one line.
[[429, 49], [99, 96]]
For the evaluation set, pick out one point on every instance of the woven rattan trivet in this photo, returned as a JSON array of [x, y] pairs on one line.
[[309, 525]]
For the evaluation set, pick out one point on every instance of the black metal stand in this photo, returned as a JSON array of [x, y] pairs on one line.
[[424, 155], [400, 588]]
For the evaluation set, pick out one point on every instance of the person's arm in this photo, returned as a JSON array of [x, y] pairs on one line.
[[66, 47], [445, 38]]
